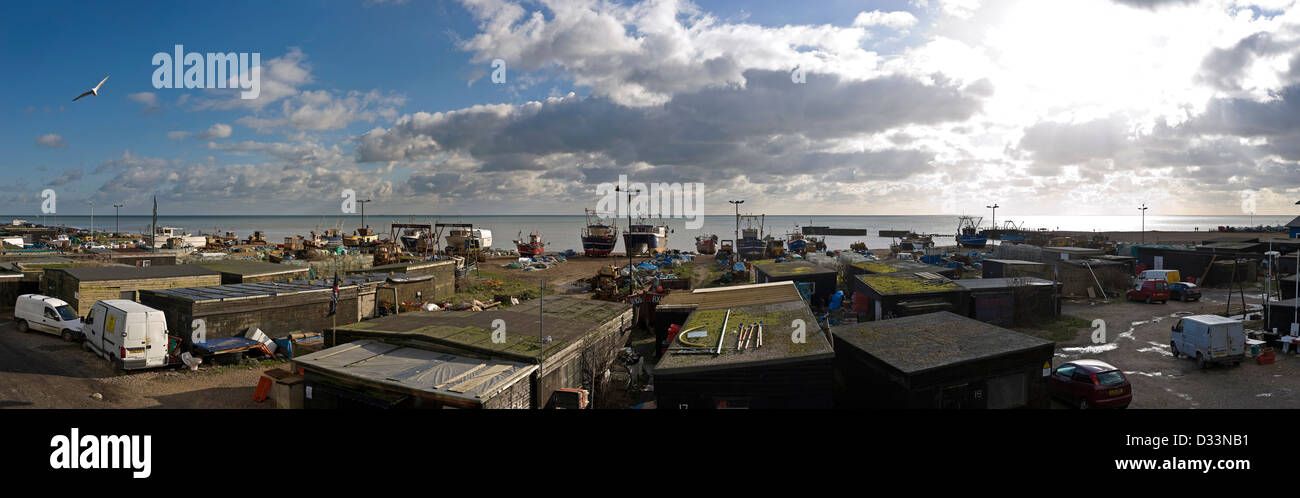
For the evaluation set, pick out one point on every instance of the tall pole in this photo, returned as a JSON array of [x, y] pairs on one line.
[[117, 217], [631, 270], [363, 212], [735, 243], [994, 207], [1144, 221], [92, 220]]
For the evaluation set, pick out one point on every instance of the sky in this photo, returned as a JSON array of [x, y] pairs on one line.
[[828, 107]]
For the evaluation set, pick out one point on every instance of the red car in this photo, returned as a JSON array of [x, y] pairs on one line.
[[1091, 384], [1150, 290]]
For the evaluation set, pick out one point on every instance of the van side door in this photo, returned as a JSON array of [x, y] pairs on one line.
[[49, 319], [1177, 337]]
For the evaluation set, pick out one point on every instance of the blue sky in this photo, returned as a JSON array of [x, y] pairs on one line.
[[919, 99]]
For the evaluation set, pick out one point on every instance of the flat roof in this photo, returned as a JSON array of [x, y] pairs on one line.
[[249, 268], [242, 291], [1077, 250], [891, 266], [93, 273], [415, 370], [919, 343], [793, 268], [888, 284], [1002, 283], [1015, 261], [778, 342], [735, 295], [565, 320], [405, 266]]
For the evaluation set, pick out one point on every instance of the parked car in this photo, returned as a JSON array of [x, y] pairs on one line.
[[1091, 384], [129, 334], [1209, 339], [1185, 291], [1150, 291], [46, 314]]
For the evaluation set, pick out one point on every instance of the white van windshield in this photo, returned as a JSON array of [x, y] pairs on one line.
[[66, 312]]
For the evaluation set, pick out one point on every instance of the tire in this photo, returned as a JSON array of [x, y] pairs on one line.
[[1083, 404], [1148, 299], [85, 346], [1173, 348], [22, 326], [66, 335], [1200, 361]]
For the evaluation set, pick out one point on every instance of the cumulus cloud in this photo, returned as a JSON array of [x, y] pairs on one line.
[[52, 140], [148, 101], [896, 20], [218, 130], [67, 177]]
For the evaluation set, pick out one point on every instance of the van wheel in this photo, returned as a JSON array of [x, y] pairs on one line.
[[22, 326], [66, 335], [1200, 361], [1148, 299], [85, 346], [1173, 348]]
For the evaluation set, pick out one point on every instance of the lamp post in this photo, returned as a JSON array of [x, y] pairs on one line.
[[631, 270], [92, 220], [736, 241], [363, 212], [117, 217], [1144, 221]]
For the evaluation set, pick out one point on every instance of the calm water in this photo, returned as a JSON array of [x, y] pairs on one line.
[[562, 232]]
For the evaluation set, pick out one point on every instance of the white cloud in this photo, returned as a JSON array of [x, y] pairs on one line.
[[218, 130], [52, 140], [896, 20]]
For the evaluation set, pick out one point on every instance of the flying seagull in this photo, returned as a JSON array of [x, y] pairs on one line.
[[93, 91]]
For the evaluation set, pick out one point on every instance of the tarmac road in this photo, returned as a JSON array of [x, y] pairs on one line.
[[39, 370], [1137, 342]]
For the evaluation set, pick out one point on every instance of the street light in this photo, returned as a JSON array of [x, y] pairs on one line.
[[994, 224], [735, 244], [92, 220], [631, 270], [117, 217], [363, 212], [1144, 209]]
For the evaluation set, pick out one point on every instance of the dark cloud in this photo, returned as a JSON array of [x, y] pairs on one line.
[[1224, 68], [764, 130]]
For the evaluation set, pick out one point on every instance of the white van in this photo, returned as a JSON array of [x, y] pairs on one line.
[[1170, 276], [1209, 339], [46, 314], [128, 333]]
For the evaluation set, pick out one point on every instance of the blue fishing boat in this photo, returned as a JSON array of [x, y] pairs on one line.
[[968, 234], [751, 244], [646, 239], [598, 237]]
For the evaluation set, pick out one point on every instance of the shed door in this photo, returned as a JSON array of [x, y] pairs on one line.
[[1160, 262]]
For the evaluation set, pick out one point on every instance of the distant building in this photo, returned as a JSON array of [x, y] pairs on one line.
[[1011, 302], [821, 281], [892, 295], [245, 271], [1294, 226]]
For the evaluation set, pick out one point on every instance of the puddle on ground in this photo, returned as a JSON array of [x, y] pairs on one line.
[[1264, 395], [1098, 348], [58, 347], [1146, 374]]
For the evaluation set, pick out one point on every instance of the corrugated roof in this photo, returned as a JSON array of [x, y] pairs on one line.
[[244, 291], [93, 273], [415, 370], [1294, 223], [249, 268], [919, 343]]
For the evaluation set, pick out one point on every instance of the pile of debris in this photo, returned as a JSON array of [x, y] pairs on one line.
[[537, 262]]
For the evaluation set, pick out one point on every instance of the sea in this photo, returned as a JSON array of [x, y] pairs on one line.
[[562, 232]]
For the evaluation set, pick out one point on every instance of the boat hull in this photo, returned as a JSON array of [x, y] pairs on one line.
[[530, 250], [644, 244], [595, 246], [751, 248], [972, 241]]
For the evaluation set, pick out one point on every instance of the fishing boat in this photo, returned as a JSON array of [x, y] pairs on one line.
[[751, 244], [532, 246], [797, 243], [706, 244], [464, 239], [774, 247], [165, 235], [364, 236], [968, 234], [644, 238], [411, 237], [598, 238], [333, 237]]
